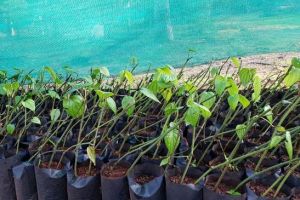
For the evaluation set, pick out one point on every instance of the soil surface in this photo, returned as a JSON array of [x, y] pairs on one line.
[[143, 179], [83, 171], [187, 180], [222, 189], [115, 171], [296, 196], [259, 189], [53, 165]]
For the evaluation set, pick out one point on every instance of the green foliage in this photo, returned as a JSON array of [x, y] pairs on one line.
[[232, 87], [246, 75], [208, 99], [289, 145], [292, 77], [36, 120], [269, 114], [29, 104], [91, 152], [244, 101], [172, 138], [128, 104], [127, 75], [148, 93], [53, 94], [220, 84], [241, 130], [10, 128], [233, 101], [236, 62], [112, 104], [275, 140], [171, 108], [257, 89], [53, 75], [54, 115], [74, 105], [10, 88], [296, 62]]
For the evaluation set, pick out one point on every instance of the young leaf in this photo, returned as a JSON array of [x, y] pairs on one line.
[[233, 89], [10, 128], [233, 192], [54, 115], [91, 152], [171, 108], [269, 114], [112, 104], [240, 130], [53, 75], [125, 74], [53, 94], [220, 84], [236, 62], [29, 104], [207, 99], [104, 71], [280, 129], [192, 116], [256, 88], [292, 77], [172, 139], [205, 112], [296, 62], [128, 104], [167, 94], [74, 106], [246, 75], [165, 161], [289, 145], [148, 93], [233, 101], [103, 95], [275, 141], [36, 120], [244, 101]]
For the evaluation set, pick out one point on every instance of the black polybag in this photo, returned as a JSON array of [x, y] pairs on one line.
[[153, 190], [9, 159], [115, 188], [25, 183], [51, 183], [176, 191], [85, 187]]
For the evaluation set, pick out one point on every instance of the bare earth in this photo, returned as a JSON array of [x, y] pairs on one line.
[[267, 65]]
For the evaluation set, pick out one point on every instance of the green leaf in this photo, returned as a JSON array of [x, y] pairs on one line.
[[192, 116], [296, 62], [289, 144], [11, 88], [29, 104], [214, 71], [104, 71], [165, 161], [292, 77], [275, 141], [207, 99], [167, 94], [36, 120], [240, 130], [233, 101], [190, 87], [269, 114], [233, 89], [103, 95], [256, 88], [91, 152], [74, 105], [236, 62], [171, 108], [53, 75], [244, 101], [280, 129], [220, 84], [246, 75], [148, 93], [128, 104], [204, 111], [112, 104], [172, 139], [233, 192], [10, 128], [127, 75], [53, 94], [54, 115]]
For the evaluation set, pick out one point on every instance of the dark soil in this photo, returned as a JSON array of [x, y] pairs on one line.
[[143, 179], [296, 196], [115, 171], [83, 171], [222, 189], [259, 189], [187, 180], [53, 165]]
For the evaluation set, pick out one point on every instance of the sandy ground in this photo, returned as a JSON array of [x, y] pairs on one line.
[[266, 65]]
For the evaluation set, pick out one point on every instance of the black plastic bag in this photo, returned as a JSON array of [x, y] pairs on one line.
[[153, 190], [84, 187], [267, 181], [115, 188], [25, 183], [9, 159], [51, 183], [209, 194], [176, 191]]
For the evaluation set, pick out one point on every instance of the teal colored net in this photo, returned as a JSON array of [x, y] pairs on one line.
[[89, 33]]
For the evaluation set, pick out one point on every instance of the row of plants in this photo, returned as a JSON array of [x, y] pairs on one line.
[[214, 135]]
